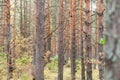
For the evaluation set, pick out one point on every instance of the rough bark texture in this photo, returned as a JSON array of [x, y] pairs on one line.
[[100, 46], [4, 28], [112, 47], [21, 20], [73, 56], [34, 52], [71, 23], [26, 27], [8, 38], [14, 35], [39, 44], [30, 18], [54, 20], [73, 38], [14, 28], [24, 19], [88, 41], [60, 41], [96, 43], [48, 31], [81, 40]]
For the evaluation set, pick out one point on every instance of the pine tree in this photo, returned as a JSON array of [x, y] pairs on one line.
[[39, 43], [112, 47], [8, 38], [73, 41], [60, 41], [101, 36], [81, 36], [88, 41]]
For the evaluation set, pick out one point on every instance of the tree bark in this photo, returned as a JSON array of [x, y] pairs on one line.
[[100, 46], [81, 40], [48, 32], [88, 41], [40, 42], [8, 38], [73, 42], [112, 47], [60, 41], [30, 18], [96, 43], [14, 36], [34, 36], [4, 29], [21, 20]]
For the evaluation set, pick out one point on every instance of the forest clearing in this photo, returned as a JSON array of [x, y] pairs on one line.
[[59, 39]]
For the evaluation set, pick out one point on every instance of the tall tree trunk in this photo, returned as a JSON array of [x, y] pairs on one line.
[[66, 32], [100, 46], [29, 25], [48, 32], [14, 36], [39, 44], [88, 41], [8, 38], [14, 29], [21, 16], [81, 40], [71, 23], [34, 36], [35, 12], [54, 21], [54, 51], [4, 29], [73, 44], [60, 41], [25, 20], [96, 43], [112, 47], [71, 27]]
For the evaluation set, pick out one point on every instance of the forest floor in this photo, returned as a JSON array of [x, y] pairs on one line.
[[23, 70], [52, 75]]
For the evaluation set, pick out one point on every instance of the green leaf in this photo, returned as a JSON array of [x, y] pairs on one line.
[[102, 41]]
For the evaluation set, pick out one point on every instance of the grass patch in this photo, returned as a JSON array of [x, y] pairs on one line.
[[23, 68]]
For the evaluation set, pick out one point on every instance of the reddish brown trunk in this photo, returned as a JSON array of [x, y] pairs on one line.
[[8, 38], [73, 41], [21, 20], [88, 41], [81, 40], [48, 31], [60, 41]]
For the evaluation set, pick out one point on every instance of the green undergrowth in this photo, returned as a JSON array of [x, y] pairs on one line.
[[23, 69]]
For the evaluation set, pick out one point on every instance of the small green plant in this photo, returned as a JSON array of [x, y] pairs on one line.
[[102, 41], [54, 63], [3, 55], [78, 64], [24, 60]]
